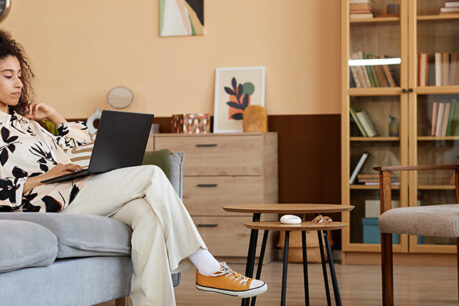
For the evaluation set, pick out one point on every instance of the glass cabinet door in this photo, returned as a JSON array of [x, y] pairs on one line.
[[376, 123], [434, 110]]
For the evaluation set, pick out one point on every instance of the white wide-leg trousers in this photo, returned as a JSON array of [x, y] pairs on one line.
[[163, 236]]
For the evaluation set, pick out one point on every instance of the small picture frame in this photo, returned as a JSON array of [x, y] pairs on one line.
[[235, 89]]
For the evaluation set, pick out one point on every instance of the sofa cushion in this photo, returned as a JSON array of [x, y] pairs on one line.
[[25, 244], [82, 235]]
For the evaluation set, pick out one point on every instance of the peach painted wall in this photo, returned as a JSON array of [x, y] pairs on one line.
[[80, 49]]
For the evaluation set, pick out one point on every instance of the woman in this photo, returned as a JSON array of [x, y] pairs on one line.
[[164, 237]]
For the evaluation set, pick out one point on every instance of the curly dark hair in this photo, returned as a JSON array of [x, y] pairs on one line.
[[9, 47]]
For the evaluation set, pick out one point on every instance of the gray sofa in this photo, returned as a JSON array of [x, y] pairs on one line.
[[62, 259]]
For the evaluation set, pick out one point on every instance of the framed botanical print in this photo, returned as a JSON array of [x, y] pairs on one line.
[[235, 90]]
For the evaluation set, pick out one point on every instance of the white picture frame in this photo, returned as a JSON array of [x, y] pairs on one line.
[[228, 82]]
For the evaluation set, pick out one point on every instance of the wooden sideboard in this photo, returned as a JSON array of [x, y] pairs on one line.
[[224, 169]]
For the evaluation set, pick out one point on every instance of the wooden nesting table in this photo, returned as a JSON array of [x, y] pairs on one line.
[[295, 209]]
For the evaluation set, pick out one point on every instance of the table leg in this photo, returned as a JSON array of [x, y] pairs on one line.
[[305, 268], [284, 268], [324, 267], [332, 270], [251, 254], [260, 261]]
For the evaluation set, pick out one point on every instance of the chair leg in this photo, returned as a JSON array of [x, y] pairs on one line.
[[457, 255], [121, 301], [387, 270]]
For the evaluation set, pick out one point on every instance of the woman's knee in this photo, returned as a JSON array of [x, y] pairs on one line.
[[153, 170]]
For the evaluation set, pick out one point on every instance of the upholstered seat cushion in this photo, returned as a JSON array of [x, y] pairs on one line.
[[81, 235], [433, 220], [25, 244]]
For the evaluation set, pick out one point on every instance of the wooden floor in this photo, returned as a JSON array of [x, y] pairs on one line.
[[359, 285]]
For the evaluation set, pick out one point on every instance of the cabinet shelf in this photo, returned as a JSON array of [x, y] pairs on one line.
[[375, 20], [438, 17], [375, 91], [370, 187], [436, 187], [375, 139], [438, 138]]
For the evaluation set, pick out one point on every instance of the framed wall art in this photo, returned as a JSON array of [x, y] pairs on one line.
[[181, 17], [235, 89]]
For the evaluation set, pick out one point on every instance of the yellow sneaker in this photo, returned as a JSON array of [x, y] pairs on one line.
[[226, 281]]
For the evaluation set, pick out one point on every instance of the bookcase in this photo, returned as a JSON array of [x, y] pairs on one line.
[[400, 84]]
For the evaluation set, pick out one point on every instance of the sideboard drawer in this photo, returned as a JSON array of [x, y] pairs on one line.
[[227, 236], [217, 155], [206, 195]]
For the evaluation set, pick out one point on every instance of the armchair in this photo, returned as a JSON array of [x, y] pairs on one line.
[[433, 220]]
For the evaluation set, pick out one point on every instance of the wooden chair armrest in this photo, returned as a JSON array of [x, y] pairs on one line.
[[385, 174]]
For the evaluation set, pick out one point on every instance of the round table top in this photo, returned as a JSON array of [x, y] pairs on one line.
[[303, 226], [288, 208]]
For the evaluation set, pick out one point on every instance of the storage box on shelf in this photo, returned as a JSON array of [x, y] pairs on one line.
[[223, 169], [417, 83]]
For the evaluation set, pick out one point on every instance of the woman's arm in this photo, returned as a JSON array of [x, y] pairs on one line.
[[71, 134], [58, 170], [40, 111]]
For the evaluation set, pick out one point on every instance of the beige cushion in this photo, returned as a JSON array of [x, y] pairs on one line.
[[433, 220]]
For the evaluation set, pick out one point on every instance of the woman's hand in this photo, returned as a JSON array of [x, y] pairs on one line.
[[40, 111], [58, 170]]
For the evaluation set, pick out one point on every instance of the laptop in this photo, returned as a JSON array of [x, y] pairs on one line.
[[121, 141]]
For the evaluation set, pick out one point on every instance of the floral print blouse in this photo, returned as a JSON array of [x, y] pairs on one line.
[[27, 150]]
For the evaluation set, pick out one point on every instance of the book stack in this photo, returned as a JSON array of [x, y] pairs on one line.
[[451, 7], [363, 122], [371, 76], [445, 117], [373, 179], [361, 9], [438, 69]]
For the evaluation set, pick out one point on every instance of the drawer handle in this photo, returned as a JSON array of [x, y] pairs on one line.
[[207, 225], [206, 145], [206, 185]]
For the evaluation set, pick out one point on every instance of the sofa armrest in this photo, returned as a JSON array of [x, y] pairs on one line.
[[176, 164]]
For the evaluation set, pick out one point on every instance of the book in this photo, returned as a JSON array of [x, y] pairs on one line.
[[449, 10], [441, 112], [430, 69], [452, 69], [375, 73], [358, 167], [456, 133], [452, 4], [455, 128], [361, 1], [422, 69], [360, 6], [369, 72], [364, 71], [382, 76], [438, 66], [351, 80], [365, 125], [361, 16], [434, 118], [452, 113], [388, 74], [356, 120], [367, 122], [444, 124], [356, 11], [445, 68]]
